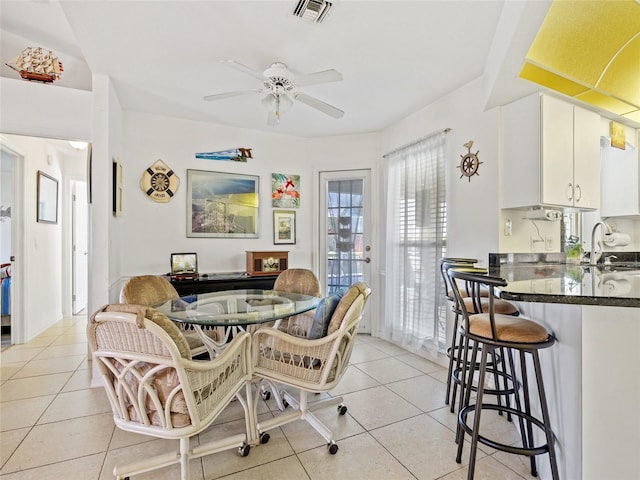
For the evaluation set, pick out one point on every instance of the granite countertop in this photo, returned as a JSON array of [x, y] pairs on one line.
[[551, 280]]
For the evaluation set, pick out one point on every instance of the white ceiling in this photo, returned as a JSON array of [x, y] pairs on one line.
[[395, 56]]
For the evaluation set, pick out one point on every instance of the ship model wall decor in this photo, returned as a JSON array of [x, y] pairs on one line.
[[37, 64]]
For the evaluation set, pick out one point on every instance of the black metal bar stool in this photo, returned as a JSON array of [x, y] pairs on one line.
[[472, 305], [488, 332]]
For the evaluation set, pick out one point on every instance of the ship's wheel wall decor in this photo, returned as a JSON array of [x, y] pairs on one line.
[[159, 182], [469, 162]]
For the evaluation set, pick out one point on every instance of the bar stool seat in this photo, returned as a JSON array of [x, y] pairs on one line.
[[488, 332], [508, 328]]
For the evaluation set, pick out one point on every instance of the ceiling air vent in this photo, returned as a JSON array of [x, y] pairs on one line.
[[313, 10]]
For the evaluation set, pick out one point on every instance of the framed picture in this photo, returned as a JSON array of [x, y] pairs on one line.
[[117, 188], [285, 190], [284, 226], [89, 173], [222, 204], [47, 198]]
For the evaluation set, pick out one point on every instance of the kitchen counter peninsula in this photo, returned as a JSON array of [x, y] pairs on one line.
[[591, 373], [547, 281]]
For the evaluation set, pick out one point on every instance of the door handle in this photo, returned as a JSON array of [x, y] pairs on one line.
[[365, 260]]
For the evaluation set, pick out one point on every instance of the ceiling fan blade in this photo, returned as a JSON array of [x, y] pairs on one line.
[[243, 68], [319, 105], [325, 76], [220, 96]]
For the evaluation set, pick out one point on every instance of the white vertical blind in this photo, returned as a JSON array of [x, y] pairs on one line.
[[416, 240]]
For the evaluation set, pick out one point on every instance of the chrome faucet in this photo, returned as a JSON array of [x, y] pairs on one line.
[[595, 256]]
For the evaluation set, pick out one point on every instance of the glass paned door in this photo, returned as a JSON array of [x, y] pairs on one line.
[[345, 232]]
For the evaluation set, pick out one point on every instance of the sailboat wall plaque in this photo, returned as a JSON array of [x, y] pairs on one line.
[[37, 64]]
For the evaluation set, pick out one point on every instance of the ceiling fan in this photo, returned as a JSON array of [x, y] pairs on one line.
[[280, 84]]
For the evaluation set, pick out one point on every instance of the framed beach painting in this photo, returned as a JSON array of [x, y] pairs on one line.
[[222, 204]]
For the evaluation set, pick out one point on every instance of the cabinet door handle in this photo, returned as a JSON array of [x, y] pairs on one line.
[[579, 195], [570, 192]]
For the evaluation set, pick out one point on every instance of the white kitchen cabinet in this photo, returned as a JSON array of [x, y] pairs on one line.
[[620, 179], [551, 154]]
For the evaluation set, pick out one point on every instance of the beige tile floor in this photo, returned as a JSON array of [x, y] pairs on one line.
[[54, 426]]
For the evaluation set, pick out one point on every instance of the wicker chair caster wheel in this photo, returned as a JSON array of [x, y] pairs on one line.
[[333, 448], [264, 438], [342, 409], [266, 395], [244, 450]]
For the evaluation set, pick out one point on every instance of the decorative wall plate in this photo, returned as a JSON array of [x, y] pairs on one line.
[[159, 182], [469, 162]]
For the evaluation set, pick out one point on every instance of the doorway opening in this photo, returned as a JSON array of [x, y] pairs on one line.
[[40, 253], [79, 246], [7, 162]]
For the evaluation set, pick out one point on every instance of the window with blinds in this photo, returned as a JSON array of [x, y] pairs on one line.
[[415, 312]]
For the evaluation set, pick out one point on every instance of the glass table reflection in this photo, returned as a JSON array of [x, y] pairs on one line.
[[234, 310]]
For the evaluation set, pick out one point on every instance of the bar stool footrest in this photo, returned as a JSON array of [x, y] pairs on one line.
[[489, 391], [528, 451]]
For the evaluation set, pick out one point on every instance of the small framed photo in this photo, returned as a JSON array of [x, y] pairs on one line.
[[284, 226], [47, 198]]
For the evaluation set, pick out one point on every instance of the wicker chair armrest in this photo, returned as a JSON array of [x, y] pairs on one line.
[[261, 335]]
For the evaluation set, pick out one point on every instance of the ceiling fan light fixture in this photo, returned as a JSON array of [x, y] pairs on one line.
[[285, 102], [277, 103], [269, 102], [312, 10]]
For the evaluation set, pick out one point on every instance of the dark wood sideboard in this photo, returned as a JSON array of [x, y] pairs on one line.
[[216, 282]]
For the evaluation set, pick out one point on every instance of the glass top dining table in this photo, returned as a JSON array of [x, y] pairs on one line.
[[237, 308], [231, 311]]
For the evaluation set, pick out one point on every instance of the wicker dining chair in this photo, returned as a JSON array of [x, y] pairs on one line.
[[156, 389], [298, 280], [292, 280], [310, 366], [152, 291]]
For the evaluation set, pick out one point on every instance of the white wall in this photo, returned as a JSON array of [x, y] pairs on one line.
[[31, 108], [472, 206], [151, 231], [104, 237], [524, 230]]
